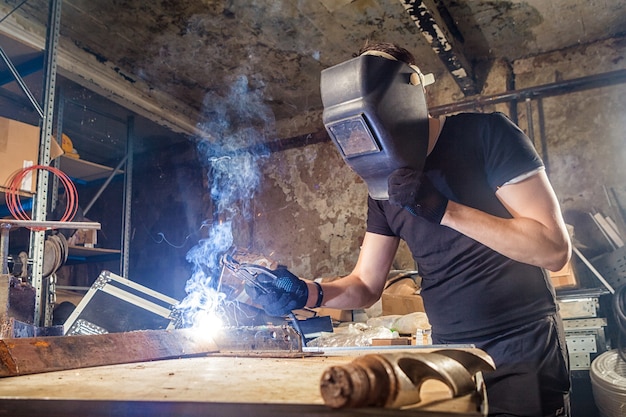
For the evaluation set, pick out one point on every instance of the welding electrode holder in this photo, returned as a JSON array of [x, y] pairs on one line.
[[246, 272], [393, 380], [249, 274]]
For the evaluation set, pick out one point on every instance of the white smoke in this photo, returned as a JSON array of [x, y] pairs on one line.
[[231, 143]]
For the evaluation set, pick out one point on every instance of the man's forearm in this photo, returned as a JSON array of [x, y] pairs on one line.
[[522, 239], [343, 293], [364, 285]]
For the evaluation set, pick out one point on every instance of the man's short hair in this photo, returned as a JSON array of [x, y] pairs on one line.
[[392, 49]]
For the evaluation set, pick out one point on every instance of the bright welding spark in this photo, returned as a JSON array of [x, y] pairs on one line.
[[202, 308], [208, 323]]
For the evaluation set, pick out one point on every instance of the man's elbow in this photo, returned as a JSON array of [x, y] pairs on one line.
[[560, 257], [370, 299]]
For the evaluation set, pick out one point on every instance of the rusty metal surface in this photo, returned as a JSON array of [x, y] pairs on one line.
[[28, 355], [16, 307]]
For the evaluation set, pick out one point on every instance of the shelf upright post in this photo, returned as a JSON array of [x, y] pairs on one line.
[[44, 297], [57, 162], [128, 197]]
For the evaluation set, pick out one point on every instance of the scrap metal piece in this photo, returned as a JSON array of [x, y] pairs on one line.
[[393, 380], [258, 339]]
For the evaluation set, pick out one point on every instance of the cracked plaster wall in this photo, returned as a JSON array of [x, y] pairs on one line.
[[311, 211]]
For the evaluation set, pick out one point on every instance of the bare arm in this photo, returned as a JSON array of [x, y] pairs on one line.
[[365, 284], [535, 235]]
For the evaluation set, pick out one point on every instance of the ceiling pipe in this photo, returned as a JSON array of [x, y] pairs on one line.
[[546, 90]]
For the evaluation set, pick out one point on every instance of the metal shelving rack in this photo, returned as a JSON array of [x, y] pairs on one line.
[[79, 169], [44, 288], [43, 307]]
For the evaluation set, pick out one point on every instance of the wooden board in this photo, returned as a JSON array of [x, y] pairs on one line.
[[22, 356]]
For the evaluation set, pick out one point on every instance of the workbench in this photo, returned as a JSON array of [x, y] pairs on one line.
[[201, 386]]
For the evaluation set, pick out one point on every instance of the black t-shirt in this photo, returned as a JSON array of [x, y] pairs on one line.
[[468, 289]]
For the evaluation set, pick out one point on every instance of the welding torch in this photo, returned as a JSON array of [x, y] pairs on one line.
[[249, 274]]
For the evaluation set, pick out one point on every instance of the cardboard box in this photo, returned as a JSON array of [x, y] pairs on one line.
[[398, 341], [84, 237], [19, 148], [402, 297], [336, 314], [564, 278]]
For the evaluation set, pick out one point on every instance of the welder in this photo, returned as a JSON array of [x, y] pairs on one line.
[[469, 195]]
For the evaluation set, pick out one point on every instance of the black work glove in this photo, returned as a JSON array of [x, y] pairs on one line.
[[285, 293], [413, 191]]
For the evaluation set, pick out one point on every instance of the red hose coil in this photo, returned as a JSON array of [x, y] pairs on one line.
[[14, 203]]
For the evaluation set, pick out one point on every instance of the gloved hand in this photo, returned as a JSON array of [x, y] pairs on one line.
[[413, 191], [285, 293]]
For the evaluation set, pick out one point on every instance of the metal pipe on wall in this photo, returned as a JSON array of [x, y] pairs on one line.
[[546, 90], [542, 135], [529, 120], [538, 93]]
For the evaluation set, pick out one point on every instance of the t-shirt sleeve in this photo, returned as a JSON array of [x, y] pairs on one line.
[[509, 153], [376, 220]]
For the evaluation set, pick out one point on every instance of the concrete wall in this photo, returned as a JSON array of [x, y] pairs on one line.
[[311, 211]]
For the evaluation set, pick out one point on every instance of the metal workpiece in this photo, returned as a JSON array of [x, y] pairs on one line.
[[258, 340], [394, 380]]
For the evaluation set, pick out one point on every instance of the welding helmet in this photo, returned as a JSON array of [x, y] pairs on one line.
[[375, 112]]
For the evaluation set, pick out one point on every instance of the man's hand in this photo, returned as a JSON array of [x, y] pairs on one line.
[[285, 293], [413, 191]]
